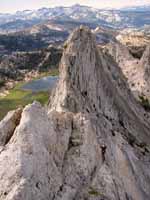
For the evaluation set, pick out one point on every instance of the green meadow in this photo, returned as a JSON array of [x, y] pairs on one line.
[[19, 98]]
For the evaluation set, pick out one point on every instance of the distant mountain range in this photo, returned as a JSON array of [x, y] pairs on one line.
[[138, 8], [123, 18]]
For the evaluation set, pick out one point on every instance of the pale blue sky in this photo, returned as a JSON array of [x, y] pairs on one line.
[[14, 5]]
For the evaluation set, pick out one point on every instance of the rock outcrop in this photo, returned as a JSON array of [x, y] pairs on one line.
[[105, 35], [89, 143], [8, 125], [135, 40], [145, 64], [135, 70]]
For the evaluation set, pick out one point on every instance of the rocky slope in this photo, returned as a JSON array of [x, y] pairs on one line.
[[33, 39], [128, 64], [89, 143], [135, 39], [17, 65], [145, 63], [135, 70], [105, 35]]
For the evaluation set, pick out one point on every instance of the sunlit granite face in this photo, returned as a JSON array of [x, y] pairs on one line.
[[91, 142]]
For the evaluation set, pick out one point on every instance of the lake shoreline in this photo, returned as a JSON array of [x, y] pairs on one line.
[[43, 84], [16, 97], [33, 75]]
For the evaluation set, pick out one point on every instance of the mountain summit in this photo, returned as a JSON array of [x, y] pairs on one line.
[[89, 143]]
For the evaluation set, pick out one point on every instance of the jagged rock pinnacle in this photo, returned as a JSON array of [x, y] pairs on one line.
[[91, 143], [91, 82]]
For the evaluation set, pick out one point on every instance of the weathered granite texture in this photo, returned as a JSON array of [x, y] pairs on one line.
[[92, 142]]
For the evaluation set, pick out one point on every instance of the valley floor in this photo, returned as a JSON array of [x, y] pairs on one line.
[[17, 97]]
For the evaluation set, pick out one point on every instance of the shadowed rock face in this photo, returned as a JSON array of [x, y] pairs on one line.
[[92, 142]]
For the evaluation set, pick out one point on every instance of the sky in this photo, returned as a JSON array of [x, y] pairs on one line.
[[11, 6]]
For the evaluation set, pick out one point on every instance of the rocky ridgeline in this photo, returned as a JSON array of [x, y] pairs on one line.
[[92, 141], [135, 70], [135, 40], [145, 64]]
